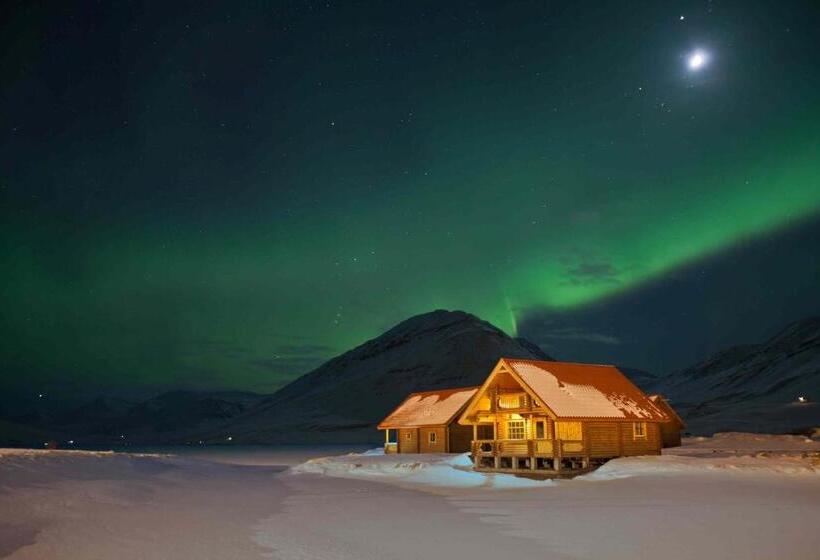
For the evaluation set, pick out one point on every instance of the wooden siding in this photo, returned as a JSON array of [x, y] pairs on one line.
[[651, 445], [459, 438], [602, 439], [439, 446], [670, 434], [568, 430], [408, 440]]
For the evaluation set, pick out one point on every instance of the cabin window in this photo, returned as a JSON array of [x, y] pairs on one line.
[[408, 435], [540, 432], [639, 430], [485, 431], [515, 429], [512, 401], [431, 437], [392, 436]]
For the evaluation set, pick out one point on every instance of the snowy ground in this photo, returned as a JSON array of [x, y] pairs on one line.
[[732, 496]]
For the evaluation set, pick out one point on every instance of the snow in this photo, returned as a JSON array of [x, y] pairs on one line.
[[605, 392], [431, 472], [567, 399], [734, 496], [429, 408]]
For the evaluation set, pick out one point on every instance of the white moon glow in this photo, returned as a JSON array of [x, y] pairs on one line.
[[696, 60]]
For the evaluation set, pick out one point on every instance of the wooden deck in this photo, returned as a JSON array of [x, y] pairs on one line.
[[547, 457]]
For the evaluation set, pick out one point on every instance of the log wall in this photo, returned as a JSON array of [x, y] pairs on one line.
[[438, 446], [651, 445], [408, 440], [602, 439]]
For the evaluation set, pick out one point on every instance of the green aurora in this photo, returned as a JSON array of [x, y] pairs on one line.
[[363, 204]]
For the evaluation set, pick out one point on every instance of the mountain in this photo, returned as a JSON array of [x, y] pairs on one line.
[[753, 387], [162, 419], [645, 380], [345, 398]]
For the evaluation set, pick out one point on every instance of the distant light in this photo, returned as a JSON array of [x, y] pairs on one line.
[[230, 438], [39, 395], [71, 442], [122, 437], [802, 399], [682, 18], [697, 60]]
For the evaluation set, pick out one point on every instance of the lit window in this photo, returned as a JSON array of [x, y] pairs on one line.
[[539, 430], [515, 429], [639, 430], [431, 437]]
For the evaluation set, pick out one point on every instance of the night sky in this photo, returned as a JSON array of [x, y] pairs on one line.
[[226, 196]]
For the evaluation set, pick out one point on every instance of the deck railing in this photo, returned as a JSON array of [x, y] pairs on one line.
[[526, 448]]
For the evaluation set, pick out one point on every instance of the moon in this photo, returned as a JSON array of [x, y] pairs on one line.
[[697, 60]]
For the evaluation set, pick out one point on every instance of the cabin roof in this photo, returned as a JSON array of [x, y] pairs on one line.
[[429, 408], [661, 401], [573, 390]]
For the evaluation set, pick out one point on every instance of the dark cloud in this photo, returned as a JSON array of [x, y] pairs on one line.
[[592, 273], [742, 295], [575, 333]]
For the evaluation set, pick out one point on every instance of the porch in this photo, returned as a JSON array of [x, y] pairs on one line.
[[534, 456]]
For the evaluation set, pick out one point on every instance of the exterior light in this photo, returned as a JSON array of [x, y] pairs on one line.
[[802, 399]]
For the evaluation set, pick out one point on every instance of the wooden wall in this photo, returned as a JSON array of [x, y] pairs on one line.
[[408, 440], [613, 439], [602, 438], [649, 446], [670, 434], [460, 438], [439, 446]]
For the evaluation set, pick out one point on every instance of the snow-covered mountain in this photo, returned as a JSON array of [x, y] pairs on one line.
[[344, 399], [754, 387]]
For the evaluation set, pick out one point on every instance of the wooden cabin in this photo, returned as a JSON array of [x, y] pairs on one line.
[[671, 429], [427, 423], [557, 416]]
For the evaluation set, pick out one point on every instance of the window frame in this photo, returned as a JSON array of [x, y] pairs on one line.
[[520, 425], [639, 433], [432, 438], [543, 425]]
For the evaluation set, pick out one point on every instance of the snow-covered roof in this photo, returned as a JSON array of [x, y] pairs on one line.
[[431, 408], [586, 390], [664, 405]]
